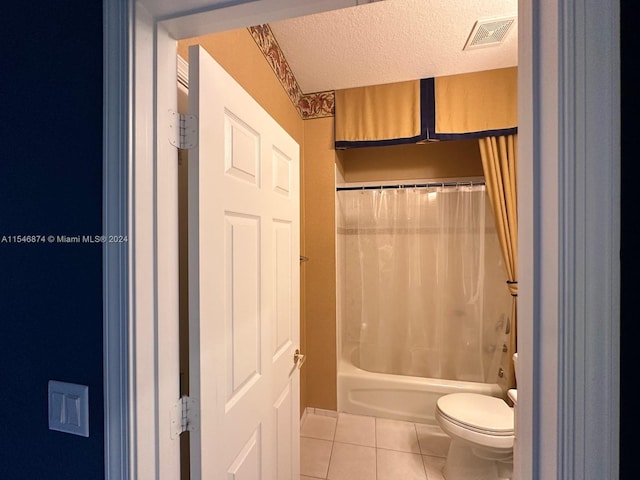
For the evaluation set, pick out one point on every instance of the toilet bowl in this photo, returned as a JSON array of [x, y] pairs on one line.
[[482, 436]]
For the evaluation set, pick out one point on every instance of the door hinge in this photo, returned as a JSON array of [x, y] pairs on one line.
[[183, 130], [185, 416]]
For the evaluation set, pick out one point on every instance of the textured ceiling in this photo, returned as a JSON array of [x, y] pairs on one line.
[[391, 41]]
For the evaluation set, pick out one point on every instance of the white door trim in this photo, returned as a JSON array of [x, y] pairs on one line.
[[153, 322], [116, 257], [569, 240], [569, 218]]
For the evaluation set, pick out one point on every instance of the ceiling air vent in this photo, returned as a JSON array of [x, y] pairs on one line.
[[489, 32]]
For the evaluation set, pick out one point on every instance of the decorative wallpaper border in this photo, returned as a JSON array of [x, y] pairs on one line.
[[309, 105]]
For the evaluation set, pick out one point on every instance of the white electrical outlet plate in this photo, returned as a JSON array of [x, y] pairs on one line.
[[69, 408]]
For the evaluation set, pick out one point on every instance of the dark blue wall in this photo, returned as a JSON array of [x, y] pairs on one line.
[[50, 184]]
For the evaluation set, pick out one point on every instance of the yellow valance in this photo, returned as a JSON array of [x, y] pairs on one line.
[[378, 115], [480, 103], [471, 105]]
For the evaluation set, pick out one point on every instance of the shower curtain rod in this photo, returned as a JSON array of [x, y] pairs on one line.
[[413, 185]]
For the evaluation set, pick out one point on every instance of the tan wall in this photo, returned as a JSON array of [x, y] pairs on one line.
[[409, 162], [320, 283]]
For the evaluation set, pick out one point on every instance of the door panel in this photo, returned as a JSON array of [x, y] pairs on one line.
[[244, 283], [284, 434], [242, 254], [283, 311], [246, 466], [242, 150]]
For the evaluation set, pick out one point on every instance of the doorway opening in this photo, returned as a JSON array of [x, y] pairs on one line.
[[543, 299]]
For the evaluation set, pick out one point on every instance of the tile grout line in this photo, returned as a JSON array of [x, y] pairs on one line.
[[333, 443], [314, 414], [375, 443], [377, 448], [424, 467]]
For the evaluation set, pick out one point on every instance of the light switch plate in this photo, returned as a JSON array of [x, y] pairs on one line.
[[69, 408]]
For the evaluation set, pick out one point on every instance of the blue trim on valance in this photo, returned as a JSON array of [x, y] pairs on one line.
[[475, 135], [428, 106], [343, 144], [424, 108], [428, 99]]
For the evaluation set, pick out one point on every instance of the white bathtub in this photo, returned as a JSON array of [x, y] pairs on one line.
[[397, 396]]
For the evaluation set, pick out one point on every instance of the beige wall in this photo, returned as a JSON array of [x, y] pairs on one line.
[[433, 160], [320, 286]]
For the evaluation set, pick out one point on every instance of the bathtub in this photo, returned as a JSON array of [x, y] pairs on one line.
[[397, 396]]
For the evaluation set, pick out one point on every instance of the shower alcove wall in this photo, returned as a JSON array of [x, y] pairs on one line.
[[361, 389]]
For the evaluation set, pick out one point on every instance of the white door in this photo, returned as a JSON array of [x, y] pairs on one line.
[[244, 283]]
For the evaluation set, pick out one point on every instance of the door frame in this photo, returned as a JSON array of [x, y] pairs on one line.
[[569, 240]]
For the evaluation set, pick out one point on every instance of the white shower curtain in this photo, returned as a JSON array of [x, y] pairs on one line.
[[422, 285]]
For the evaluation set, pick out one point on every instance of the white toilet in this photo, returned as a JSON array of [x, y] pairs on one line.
[[482, 431]]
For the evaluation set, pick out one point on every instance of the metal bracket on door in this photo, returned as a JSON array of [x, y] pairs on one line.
[[185, 416], [183, 130]]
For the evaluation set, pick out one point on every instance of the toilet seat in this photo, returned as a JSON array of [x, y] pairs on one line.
[[480, 413], [478, 419]]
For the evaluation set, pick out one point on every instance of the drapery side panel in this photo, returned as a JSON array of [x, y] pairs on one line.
[[499, 162], [379, 115], [473, 105]]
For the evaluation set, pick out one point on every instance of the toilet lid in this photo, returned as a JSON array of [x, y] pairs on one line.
[[479, 412]]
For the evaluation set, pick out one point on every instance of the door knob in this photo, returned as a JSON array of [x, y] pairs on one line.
[[298, 358]]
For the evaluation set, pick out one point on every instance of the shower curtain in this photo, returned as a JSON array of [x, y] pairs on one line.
[[422, 284]]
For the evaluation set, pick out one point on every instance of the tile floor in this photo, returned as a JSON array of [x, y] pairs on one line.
[[355, 447]]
